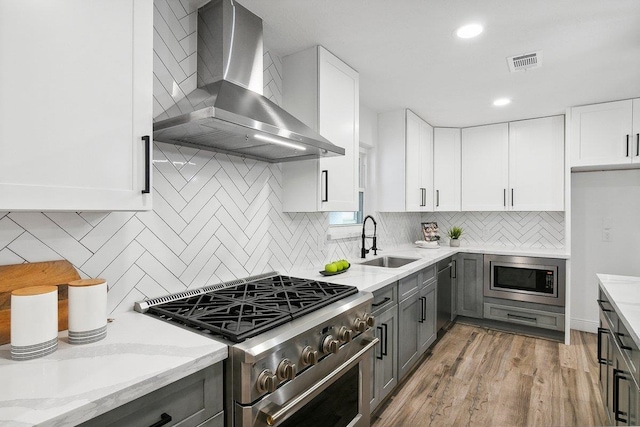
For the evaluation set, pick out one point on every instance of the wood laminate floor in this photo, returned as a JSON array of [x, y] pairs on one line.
[[481, 377]]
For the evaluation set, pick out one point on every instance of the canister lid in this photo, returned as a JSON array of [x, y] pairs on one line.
[[34, 290], [87, 282]]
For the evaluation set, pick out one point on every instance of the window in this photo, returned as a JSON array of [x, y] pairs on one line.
[[353, 218]]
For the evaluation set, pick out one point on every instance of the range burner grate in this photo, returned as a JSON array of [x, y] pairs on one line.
[[245, 310]]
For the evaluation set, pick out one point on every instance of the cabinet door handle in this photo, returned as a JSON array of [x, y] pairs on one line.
[[437, 198], [619, 336], [601, 360], [381, 302], [637, 144], [421, 320], [617, 376], [454, 272], [504, 197], [512, 197], [524, 318], [325, 174], [601, 304], [164, 419], [147, 164], [379, 328], [627, 145], [386, 340]]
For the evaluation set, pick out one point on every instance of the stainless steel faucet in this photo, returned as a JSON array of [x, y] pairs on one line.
[[363, 251]]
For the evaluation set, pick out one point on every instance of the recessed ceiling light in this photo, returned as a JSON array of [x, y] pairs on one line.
[[469, 31], [501, 102]]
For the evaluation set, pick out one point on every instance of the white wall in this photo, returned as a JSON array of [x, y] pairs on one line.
[[602, 199]]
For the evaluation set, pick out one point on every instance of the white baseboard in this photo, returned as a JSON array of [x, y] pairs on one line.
[[584, 325]]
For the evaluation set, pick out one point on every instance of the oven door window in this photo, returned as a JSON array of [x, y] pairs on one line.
[[524, 279], [336, 406]]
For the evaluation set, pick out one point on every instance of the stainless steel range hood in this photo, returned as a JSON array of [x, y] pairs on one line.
[[230, 115]]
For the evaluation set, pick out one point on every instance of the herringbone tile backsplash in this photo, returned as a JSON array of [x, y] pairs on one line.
[[218, 217], [522, 229]]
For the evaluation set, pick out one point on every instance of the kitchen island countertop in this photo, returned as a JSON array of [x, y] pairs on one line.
[[624, 294], [140, 354]]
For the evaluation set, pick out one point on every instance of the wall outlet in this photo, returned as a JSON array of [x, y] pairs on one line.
[[606, 235]]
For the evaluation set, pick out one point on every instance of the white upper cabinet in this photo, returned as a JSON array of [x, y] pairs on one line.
[[485, 169], [323, 92], [76, 97], [536, 164], [606, 134], [446, 169], [405, 163], [516, 166]]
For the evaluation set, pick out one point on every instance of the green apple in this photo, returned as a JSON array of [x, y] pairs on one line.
[[339, 265], [331, 268]]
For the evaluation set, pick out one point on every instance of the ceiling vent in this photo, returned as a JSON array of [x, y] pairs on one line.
[[526, 61]]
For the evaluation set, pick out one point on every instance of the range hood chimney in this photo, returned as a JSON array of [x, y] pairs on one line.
[[230, 115]]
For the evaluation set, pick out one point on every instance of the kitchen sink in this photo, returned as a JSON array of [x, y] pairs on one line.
[[389, 262]]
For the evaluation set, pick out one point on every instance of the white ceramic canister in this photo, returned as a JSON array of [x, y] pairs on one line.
[[34, 322], [87, 310]]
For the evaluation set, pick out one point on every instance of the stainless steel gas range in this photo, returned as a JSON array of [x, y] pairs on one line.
[[299, 349]]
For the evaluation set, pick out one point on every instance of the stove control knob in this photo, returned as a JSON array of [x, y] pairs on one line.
[[309, 356], [345, 334], [370, 319], [359, 325], [267, 381], [286, 370], [330, 345]]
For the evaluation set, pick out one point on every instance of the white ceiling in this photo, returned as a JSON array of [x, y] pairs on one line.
[[408, 56]]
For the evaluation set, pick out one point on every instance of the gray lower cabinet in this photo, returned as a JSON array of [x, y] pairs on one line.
[[193, 401], [427, 333], [408, 315], [617, 356], [384, 366], [470, 285], [416, 317]]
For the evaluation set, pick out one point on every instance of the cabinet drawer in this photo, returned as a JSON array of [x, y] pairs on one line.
[[524, 316], [190, 402], [408, 286], [384, 298], [428, 274]]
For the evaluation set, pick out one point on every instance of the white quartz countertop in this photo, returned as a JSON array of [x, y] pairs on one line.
[[371, 279], [624, 295], [78, 382]]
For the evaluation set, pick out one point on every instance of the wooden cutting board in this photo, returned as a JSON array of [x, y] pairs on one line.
[[17, 276]]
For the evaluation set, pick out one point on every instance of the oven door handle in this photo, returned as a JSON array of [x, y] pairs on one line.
[[274, 413]]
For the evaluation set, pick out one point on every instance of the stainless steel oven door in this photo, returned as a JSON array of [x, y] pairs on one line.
[[335, 392]]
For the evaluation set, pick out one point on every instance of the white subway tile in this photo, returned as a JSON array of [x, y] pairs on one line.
[[52, 235]]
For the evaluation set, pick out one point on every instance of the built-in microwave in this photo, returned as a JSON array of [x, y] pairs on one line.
[[538, 280]]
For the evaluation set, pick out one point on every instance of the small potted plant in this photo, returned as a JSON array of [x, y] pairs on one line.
[[454, 234]]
